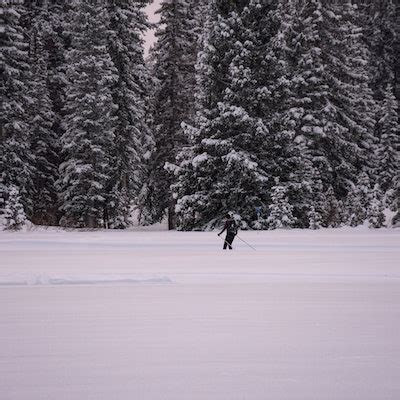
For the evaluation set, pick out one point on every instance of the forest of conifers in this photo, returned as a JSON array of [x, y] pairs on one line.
[[283, 112]]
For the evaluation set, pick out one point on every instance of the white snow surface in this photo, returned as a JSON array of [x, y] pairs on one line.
[[150, 315]]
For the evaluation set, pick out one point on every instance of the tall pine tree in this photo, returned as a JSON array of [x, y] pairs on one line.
[[388, 127], [225, 170], [86, 183], [16, 160], [44, 143], [330, 108], [133, 139], [174, 55]]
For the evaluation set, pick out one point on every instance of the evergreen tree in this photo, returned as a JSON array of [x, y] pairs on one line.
[[14, 211], [305, 108], [45, 25], [394, 201], [174, 55], [315, 219], [330, 109], [190, 189], [86, 182], [44, 144], [289, 156], [333, 210], [133, 139], [388, 129], [228, 159], [357, 201], [281, 211], [382, 35], [355, 212], [376, 217], [16, 161]]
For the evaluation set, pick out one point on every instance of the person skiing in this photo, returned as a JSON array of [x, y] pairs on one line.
[[231, 230]]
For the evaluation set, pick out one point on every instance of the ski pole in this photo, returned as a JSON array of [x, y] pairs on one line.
[[246, 242], [229, 245]]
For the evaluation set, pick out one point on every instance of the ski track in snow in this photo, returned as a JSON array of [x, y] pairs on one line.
[[310, 315], [34, 280]]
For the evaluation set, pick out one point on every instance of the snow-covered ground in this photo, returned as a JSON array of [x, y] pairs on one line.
[[169, 316]]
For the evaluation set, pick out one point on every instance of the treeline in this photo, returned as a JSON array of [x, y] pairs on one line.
[[284, 112]]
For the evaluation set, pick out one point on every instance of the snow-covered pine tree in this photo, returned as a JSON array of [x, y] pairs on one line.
[[45, 25], [375, 215], [44, 146], [332, 210], [388, 129], [381, 20], [44, 143], [304, 115], [14, 211], [174, 56], [394, 201], [89, 141], [330, 107], [226, 170], [258, 85], [355, 212], [190, 189], [288, 155], [281, 211], [133, 139], [315, 219], [16, 161], [357, 201]]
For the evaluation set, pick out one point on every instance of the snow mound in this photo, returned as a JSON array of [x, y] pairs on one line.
[[45, 279]]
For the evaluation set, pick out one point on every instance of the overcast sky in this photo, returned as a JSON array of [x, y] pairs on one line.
[[152, 18]]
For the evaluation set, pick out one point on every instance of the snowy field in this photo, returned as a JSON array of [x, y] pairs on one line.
[[169, 316]]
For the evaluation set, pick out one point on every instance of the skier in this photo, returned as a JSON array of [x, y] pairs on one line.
[[231, 230]]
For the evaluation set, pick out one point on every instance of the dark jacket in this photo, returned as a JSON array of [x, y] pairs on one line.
[[230, 227]]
